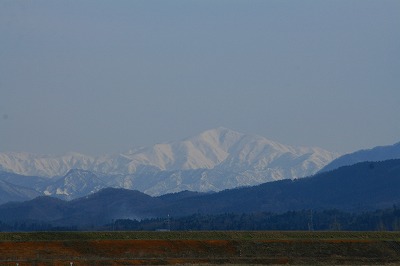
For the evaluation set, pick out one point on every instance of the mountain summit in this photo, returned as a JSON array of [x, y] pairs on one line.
[[214, 160]]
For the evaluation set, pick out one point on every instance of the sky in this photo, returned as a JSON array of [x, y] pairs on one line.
[[99, 76]]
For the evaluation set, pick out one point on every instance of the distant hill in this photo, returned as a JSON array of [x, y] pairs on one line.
[[380, 153], [14, 187], [95, 209], [360, 187]]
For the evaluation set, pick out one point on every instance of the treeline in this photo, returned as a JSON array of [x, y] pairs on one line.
[[32, 226], [332, 220]]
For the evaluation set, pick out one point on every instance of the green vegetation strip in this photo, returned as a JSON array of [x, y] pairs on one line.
[[199, 235]]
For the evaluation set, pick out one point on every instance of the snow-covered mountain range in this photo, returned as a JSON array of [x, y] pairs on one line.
[[214, 160]]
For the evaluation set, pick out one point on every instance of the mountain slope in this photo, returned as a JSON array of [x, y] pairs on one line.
[[76, 183], [360, 187], [24, 163], [33, 182], [376, 154], [364, 186], [42, 208], [11, 192]]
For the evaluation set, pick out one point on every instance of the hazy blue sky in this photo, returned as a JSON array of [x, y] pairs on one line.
[[105, 76]]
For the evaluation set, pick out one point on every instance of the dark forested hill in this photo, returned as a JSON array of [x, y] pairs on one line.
[[364, 186]]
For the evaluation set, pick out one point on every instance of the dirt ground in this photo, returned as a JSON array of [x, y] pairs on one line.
[[236, 251]]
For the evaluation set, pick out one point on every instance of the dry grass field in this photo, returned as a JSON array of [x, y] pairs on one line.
[[201, 248]]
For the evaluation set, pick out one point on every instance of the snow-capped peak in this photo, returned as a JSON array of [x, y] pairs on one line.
[[203, 151]]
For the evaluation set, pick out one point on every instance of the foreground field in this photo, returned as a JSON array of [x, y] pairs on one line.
[[166, 248]]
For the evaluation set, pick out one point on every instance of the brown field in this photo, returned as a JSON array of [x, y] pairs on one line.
[[206, 248]]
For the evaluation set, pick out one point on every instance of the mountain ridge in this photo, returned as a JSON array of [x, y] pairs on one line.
[[213, 160], [357, 188], [203, 151], [379, 153]]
